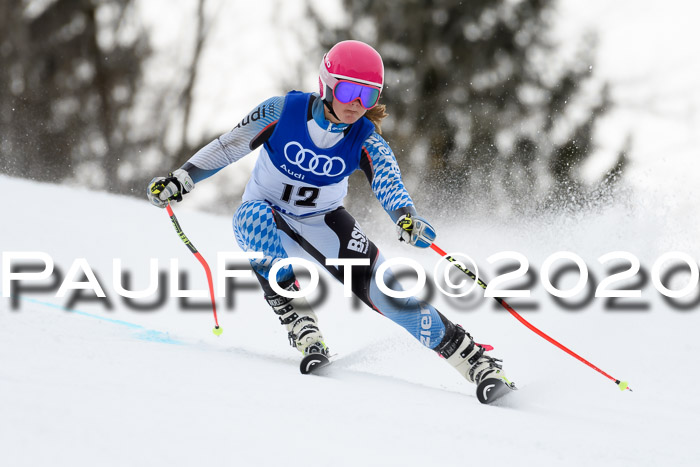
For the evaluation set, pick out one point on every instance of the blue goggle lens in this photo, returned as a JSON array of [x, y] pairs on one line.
[[346, 92]]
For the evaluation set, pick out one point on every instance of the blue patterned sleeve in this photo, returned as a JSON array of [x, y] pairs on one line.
[[382, 170], [230, 147]]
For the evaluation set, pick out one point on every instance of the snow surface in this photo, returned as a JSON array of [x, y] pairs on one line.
[[87, 385]]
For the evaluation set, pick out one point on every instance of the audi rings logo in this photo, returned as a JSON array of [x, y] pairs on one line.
[[317, 164]]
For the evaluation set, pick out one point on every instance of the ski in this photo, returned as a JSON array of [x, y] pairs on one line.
[[312, 362], [492, 389]]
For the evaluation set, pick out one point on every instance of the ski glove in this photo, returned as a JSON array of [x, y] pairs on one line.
[[415, 231], [170, 188]]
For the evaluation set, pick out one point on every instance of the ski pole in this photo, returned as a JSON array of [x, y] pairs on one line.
[[621, 384], [217, 330]]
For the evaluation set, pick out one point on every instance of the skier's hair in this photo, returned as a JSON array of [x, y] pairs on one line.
[[375, 115]]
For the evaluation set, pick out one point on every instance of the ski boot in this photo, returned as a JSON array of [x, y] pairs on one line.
[[301, 322], [468, 357]]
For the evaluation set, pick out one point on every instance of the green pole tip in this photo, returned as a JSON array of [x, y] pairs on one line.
[[623, 385], [217, 331]]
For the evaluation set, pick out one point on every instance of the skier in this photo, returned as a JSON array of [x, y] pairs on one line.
[[292, 203]]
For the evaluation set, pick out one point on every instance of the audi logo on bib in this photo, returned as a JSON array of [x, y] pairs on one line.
[[309, 161]]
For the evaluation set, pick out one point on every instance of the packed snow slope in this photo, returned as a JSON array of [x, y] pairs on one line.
[[87, 381]]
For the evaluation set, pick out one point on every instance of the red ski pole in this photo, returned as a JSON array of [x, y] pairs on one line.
[[217, 330], [621, 384]]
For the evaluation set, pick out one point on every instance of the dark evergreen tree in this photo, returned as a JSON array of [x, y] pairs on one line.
[[481, 103], [69, 76]]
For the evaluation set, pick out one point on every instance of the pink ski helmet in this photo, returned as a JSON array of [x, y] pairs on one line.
[[352, 62]]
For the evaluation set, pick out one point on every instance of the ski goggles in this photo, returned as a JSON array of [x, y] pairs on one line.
[[347, 91]]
